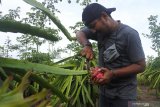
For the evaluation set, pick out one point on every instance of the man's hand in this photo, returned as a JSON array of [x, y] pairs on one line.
[[101, 75], [87, 52]]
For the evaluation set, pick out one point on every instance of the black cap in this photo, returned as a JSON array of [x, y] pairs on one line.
[[93, 12]]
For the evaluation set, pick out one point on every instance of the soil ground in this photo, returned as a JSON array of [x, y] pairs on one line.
[[146, 94]]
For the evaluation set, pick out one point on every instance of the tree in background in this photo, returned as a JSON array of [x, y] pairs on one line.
[[152, 72], [154, 35], [28, 46]]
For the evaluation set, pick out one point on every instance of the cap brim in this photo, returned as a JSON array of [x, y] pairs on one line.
[[110, 10]]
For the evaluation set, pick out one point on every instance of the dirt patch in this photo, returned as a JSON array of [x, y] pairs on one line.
[[146, 94]]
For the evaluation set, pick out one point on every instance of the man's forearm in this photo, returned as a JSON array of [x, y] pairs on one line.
[[87, 47], [129, 70], [82, 39]]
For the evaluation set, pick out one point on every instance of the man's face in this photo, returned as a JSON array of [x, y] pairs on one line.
[[101, 25]]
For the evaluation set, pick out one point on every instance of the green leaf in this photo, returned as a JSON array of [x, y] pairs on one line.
[[69, 85], [157, 82], [87, 94], [17, 64], [64, 86], [76, 87], [18, 27], [51, 16], [83, 96], [77, 95], [44, 83], [13, 101], [65, 59], [5, 85]]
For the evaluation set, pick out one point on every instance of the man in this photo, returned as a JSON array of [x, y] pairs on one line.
[[121, 56]]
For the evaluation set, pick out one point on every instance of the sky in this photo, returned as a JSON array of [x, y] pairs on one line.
[[131, 12]]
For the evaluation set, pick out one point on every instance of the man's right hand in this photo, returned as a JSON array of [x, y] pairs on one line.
[[87, 52]]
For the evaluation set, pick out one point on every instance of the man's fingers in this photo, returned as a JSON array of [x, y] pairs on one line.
[[103, 69], [94, 73], [82, 53], [91, 56], [88, 55], [95, 80], [102, 81], [87, 52], [99, 81]]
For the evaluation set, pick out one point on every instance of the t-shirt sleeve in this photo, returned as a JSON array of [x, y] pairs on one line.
[[135, 50], [89, 34]]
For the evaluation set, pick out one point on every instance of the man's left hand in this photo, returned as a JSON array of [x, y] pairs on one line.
[[106, 78]]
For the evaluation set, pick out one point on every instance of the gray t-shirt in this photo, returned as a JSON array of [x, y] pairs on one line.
[[116, 50]]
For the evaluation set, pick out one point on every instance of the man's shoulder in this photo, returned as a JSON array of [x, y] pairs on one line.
[[127, 29]]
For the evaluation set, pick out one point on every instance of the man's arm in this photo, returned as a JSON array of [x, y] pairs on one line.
[[82, 39], [87, 46], [135, 68]]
